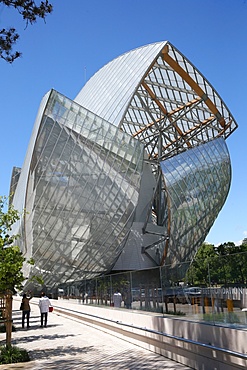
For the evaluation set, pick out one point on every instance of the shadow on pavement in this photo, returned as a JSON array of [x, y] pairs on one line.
[[59, 352], [30, 338], [95, 360]]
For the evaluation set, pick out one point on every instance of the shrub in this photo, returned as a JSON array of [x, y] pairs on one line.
[[229, 317], [3, 328], [178, 313], [12, 355]]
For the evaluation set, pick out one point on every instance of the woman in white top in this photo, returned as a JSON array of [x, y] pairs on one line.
[[44, 304]]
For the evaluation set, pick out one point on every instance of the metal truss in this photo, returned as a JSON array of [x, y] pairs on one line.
[[175, 108]]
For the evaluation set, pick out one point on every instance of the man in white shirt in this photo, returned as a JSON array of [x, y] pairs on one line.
[[44, 304]]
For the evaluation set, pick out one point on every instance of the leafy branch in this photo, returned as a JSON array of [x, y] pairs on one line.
[[30, 12]]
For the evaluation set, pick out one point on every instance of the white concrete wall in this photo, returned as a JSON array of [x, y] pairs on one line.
[[194, 344]]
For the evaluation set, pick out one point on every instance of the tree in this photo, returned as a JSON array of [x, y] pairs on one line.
[[225, 264], [244, 242], [232, 263], [30, 12], [204, 259], [11, 263], [11, 257]]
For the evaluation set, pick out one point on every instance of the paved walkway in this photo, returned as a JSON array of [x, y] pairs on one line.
[[69, 344]]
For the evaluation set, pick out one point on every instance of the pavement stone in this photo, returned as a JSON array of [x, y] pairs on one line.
[[67, 343]]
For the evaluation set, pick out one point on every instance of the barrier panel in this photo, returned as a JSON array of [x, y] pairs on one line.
[[175, 291]]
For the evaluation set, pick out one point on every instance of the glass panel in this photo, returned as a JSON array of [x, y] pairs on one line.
[[197, 182], [211, 289], [83, 184]]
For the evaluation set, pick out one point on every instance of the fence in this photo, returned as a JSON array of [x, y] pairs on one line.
[[220, 297], [6, 314]]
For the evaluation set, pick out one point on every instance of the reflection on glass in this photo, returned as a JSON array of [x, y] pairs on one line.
[[197, 183], [84, 180]]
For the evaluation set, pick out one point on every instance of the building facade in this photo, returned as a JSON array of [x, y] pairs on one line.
[[129, 175]]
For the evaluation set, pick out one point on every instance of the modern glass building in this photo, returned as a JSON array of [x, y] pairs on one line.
[[129, 175]]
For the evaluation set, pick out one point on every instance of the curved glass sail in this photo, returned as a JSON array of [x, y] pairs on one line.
[[129, 175], [82, 191], [197, 183]]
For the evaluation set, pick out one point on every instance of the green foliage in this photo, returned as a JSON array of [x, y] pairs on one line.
[[8, 38], [229, 317], [159, 309], [12, 355], [7, 219], [11, 262], [198, 271], [3, 328], [176, 313], [31, 261], [11, 258], [224, 265], [29, 12], [37, 279]]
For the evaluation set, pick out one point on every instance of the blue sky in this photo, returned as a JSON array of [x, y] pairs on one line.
[[80, 36]]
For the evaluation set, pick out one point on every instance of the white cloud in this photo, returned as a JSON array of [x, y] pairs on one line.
[[239, 242]]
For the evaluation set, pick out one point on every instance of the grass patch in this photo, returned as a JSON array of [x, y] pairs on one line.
[[160, 310], [151, 309], [12, 355], [178, 313], [229, 317]]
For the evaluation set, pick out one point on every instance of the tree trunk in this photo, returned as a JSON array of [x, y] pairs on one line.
[[8, 318]]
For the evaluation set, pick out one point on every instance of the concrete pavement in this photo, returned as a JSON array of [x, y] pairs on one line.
[[69, 343]]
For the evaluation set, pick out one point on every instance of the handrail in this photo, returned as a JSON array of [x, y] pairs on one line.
[[185, 340]]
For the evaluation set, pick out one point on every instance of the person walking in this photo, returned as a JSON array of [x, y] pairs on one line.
[[44, 304], [26, 309]]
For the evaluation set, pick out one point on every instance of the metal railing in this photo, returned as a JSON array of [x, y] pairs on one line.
[[173, 291]]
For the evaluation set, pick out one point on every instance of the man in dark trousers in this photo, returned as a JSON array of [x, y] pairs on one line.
[[26, 309]]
